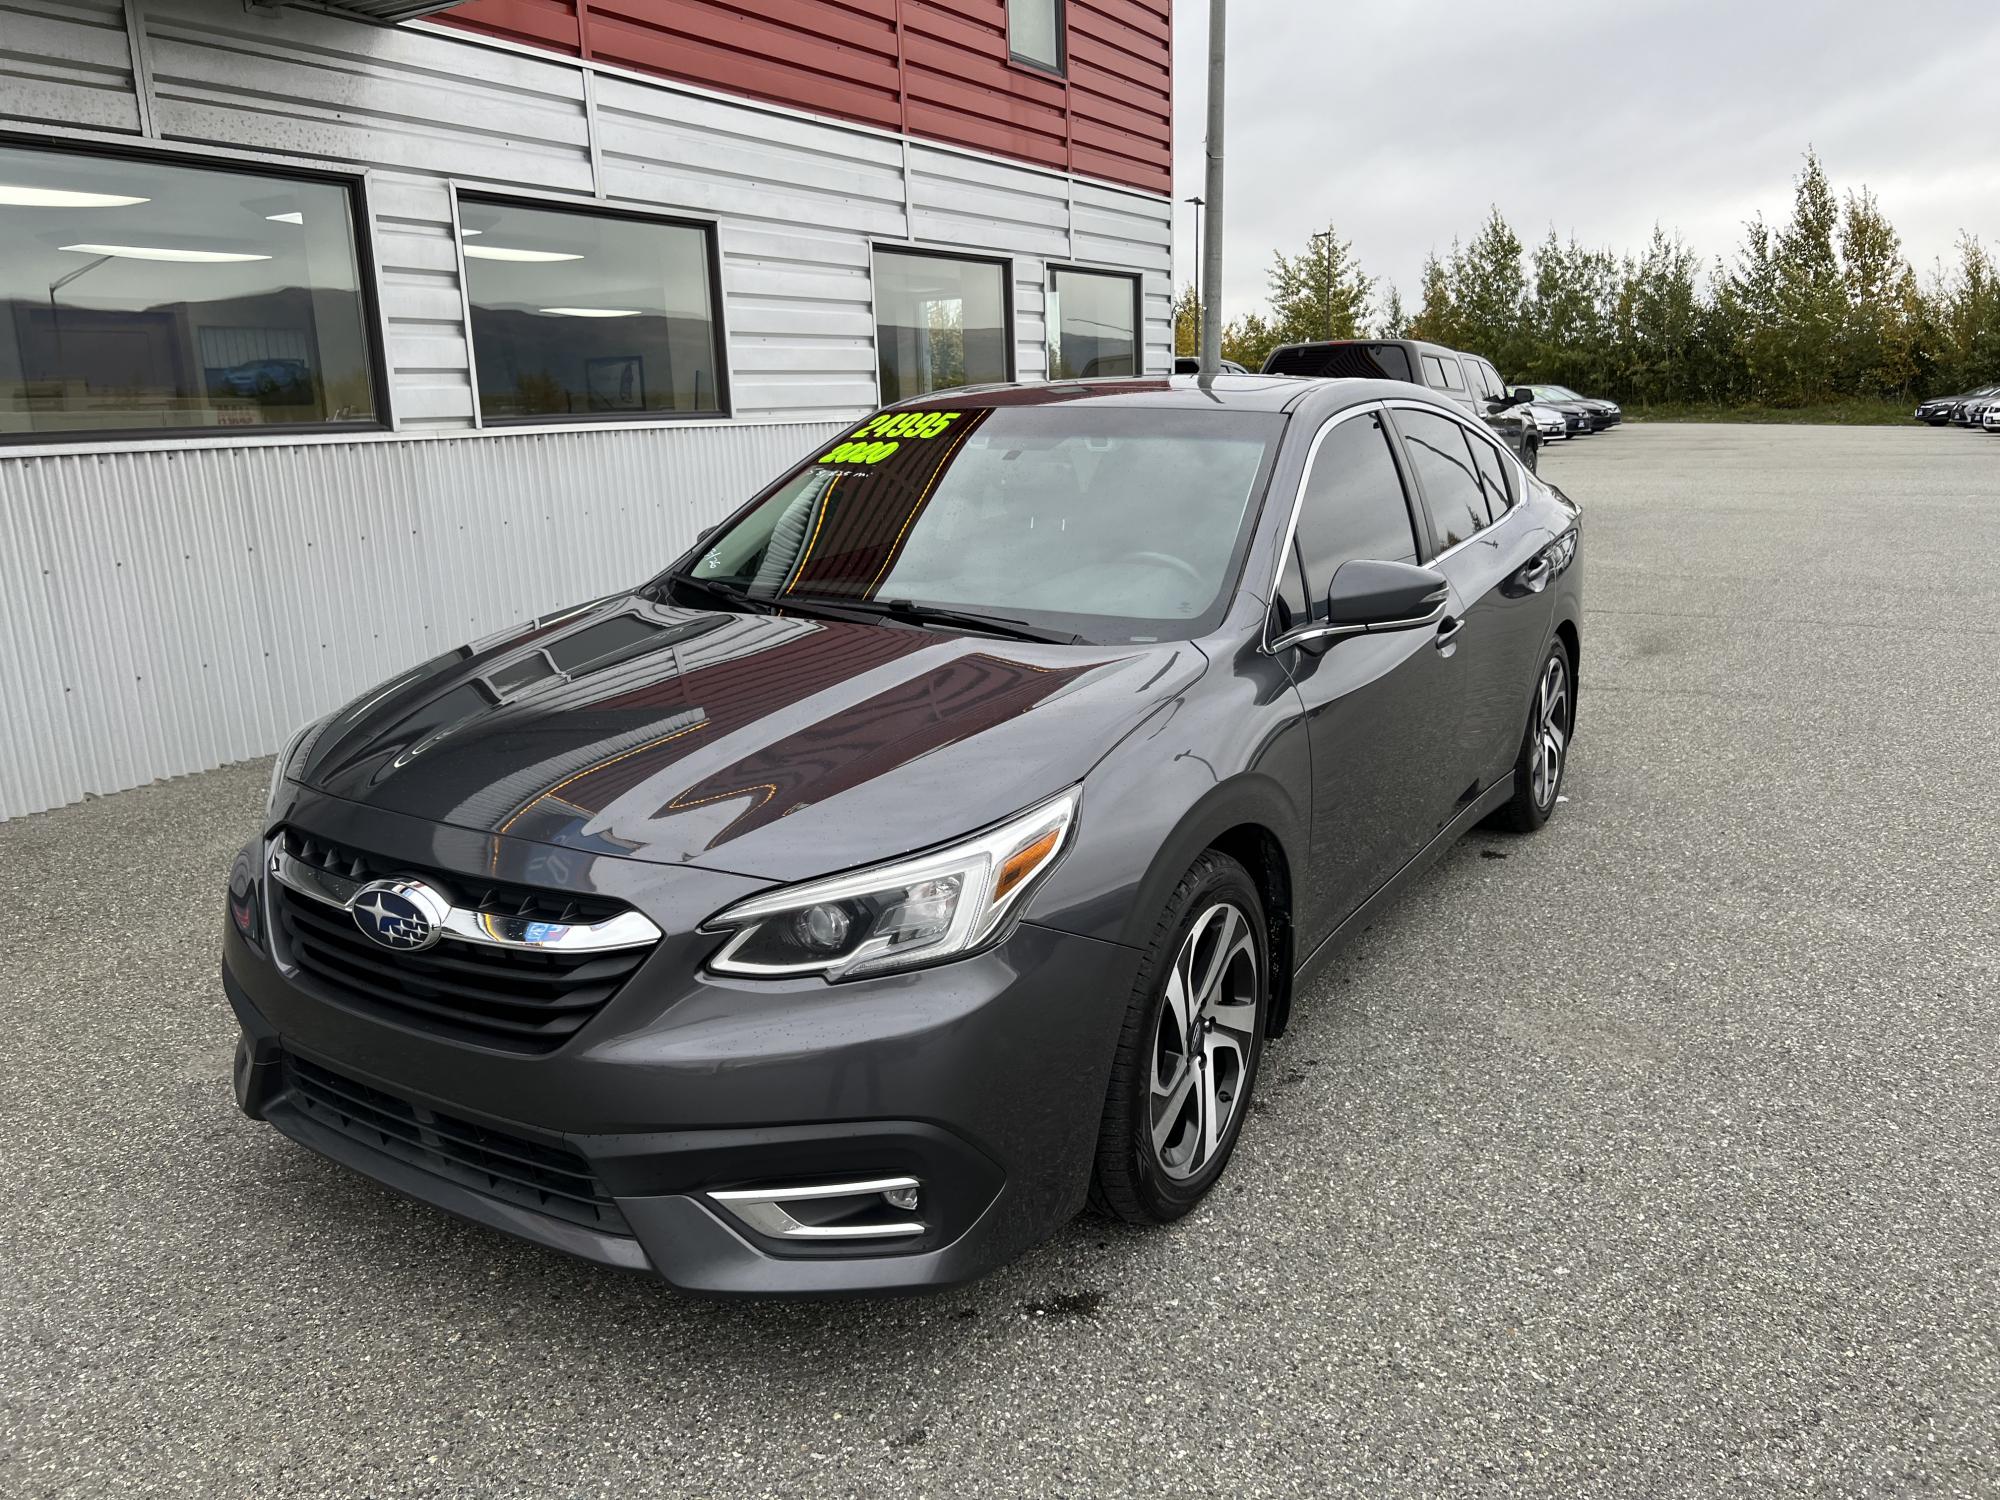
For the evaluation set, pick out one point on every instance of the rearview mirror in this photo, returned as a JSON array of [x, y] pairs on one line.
[[1369, 596]]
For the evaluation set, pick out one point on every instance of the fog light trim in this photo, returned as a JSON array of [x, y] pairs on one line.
[[763, 1209]]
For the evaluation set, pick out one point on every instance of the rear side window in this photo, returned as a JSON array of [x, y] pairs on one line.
[[1453, 491], [1453, 381], [1433, 372], [1353, 506], [1493, 475]]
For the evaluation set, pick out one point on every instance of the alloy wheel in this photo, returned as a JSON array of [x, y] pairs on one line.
[[1204, 1039], [1551, 721]]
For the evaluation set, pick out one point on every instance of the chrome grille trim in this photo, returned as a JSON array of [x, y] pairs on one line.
[[629, 929]]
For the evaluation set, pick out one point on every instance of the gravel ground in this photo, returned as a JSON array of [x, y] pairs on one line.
[[1656, 1155]]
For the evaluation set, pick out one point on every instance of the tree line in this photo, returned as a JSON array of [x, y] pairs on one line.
[[1820, 308]]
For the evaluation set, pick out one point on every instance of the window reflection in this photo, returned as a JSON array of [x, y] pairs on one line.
[[1093, 322], [142, 295], [939, 322], [588, 315]]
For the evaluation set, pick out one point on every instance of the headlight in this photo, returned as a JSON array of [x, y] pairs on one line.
[[920, 910], [301, 737]]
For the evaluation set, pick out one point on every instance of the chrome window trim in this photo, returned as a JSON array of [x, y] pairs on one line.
[[1468, 424], [629, 929], [1267, 645]]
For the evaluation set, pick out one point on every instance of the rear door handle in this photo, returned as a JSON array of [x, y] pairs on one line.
[[1535, 576], [1448, 630]]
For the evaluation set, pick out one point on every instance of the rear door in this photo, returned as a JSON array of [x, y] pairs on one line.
[[1382, 711], [1485, 543]]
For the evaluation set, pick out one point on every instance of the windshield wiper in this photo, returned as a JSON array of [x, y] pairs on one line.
[[728, 593], [932, 614]]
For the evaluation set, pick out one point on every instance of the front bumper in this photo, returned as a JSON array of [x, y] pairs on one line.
[[982, 1079]]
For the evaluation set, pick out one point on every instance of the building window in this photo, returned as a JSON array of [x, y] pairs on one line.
[[141, 296], [590, 316], [1093, 322], [1035, 33], [940, 321]]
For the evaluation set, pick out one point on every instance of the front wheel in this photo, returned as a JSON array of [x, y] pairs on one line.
[[1544, 757], [1188, 1054]]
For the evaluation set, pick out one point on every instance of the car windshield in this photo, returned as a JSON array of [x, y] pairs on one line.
[[1075, 519]]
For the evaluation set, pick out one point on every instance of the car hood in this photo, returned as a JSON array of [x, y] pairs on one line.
[[773, 746]]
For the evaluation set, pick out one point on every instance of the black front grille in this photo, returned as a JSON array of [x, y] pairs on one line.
[[516, 999], [548, 1179]]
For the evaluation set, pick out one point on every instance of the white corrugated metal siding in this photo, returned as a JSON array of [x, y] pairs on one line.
[[174, 605], [169, 610]]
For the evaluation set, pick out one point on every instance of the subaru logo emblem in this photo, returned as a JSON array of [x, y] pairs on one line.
[[406, 915]]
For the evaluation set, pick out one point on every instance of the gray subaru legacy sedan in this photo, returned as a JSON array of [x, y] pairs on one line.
[[931, 851]]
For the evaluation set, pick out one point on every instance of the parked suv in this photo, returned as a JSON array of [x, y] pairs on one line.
[[934, 847], [1467, 380]]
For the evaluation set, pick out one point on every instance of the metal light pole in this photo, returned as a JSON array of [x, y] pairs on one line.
[[1211, 261], [1326, 277], [1197, 201]]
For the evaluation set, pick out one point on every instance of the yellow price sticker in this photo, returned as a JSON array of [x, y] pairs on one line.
[[882, 434]]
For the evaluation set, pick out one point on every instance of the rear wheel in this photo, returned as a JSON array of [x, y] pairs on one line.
[[1187, 1057], [1544, 757]]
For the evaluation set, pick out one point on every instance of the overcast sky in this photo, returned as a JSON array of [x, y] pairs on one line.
[[1400, 122]]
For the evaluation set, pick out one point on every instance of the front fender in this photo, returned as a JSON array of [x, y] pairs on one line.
[[1226, 766]]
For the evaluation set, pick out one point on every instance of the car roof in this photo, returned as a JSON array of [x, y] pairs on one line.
[[1272, 393]]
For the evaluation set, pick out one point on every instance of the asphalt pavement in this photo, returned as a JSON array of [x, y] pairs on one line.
[[1654, 1155]]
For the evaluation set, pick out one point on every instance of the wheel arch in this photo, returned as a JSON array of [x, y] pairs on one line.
[[1257, 824], [1258, 850], [1572, 640]]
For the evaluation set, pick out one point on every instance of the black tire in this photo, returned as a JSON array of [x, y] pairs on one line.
[[1528, 809], [1133, 1179]]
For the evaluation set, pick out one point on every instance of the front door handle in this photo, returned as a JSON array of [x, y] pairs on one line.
[[1448, 630]]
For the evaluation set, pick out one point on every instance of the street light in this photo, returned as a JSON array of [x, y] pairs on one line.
[[1326, 277], [1211, 261]]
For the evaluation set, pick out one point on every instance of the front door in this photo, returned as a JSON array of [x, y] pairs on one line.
[[1382, 711]]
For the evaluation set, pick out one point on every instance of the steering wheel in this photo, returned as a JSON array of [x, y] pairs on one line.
[[1179, 565]]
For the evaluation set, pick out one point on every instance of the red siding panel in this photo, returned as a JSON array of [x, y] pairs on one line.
[[933, 68]]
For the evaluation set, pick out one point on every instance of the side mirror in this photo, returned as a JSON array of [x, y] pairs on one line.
[[1368, 596], [1522, 395]]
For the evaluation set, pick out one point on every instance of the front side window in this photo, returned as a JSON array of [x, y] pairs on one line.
[[150, 296], [1034, 33], [589, 316], [1353, 506], [1110, 524], [1093, 321], [1445, 471], [940, 321]]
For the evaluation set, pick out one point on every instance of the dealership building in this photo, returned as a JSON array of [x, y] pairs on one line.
[[334, 335]]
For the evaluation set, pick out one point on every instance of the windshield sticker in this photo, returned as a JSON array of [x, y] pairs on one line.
[[882, 434]]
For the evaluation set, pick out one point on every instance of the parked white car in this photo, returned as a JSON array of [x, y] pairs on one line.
[[1549, 422]]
